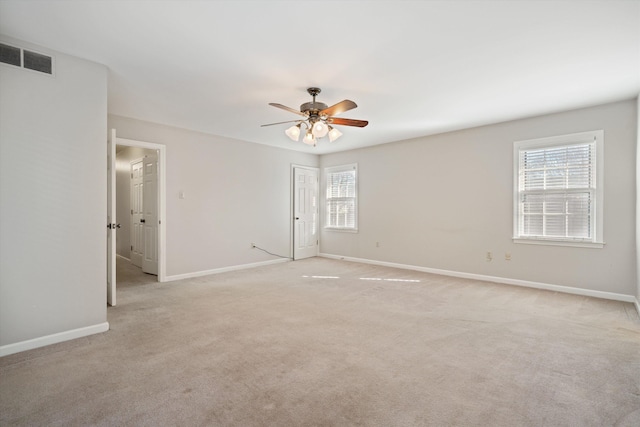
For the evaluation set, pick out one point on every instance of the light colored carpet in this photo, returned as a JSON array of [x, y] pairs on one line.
[[356, 345]]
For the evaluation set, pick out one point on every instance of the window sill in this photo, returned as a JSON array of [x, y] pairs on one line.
[[575, 244], [341, 230]]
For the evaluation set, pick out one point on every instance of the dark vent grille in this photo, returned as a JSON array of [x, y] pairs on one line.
[[10, 55], [24, 58], [37, 62]]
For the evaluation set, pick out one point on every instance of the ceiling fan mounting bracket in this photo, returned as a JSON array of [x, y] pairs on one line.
[[313, 91]]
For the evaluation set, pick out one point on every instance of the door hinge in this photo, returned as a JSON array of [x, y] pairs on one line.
[[131, 211], [131, 247]]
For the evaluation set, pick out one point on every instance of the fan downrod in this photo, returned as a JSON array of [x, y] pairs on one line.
[[313, 108]]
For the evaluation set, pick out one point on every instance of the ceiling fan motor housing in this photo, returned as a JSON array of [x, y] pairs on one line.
[[313, 108]]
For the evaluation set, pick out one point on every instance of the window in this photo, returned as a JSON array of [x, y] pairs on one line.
[[341, 200], [558, 190]]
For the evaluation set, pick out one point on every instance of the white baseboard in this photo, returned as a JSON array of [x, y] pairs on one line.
[[637, 304], [123, 257], [8, 349], [223, 270], [503, 280]]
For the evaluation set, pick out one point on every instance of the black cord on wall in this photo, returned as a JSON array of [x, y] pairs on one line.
[[270, 253]]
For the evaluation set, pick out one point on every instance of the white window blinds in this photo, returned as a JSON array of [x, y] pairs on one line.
[[556, 190], [341, 197]]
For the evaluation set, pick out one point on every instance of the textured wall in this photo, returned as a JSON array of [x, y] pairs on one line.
[[52, 199], [444, 201], [235, 193]]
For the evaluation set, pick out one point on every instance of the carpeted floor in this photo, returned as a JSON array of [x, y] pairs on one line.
[[323, 342]]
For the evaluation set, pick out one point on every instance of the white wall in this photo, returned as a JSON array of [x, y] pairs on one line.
[[123, 195], [52, 202], [444, 201], [638, 205], [235, 192]]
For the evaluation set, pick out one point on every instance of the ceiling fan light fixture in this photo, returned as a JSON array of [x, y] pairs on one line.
[[334, 134], [309, 138], [293, 132], [320, 129], [317, 117]]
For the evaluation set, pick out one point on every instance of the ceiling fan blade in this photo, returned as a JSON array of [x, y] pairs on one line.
[[279, 123], [348, 122], [284, 107], [338, 108]]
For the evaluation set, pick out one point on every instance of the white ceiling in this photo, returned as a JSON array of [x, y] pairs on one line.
[[413, 67]]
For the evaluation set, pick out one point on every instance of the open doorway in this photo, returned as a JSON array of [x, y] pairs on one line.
[[136, 209], [144, 232]]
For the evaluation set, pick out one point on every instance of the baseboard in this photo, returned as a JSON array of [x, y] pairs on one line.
[[123, 257], [8, 349], [495, 279], [223, 270], [637, 304]]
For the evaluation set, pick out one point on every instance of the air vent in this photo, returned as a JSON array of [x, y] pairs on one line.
[[24, 58], [37, 62], [10, 55]]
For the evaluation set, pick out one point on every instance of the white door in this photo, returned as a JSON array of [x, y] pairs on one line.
[[150, 214], [305, 212], [111, 219], [137, 229]]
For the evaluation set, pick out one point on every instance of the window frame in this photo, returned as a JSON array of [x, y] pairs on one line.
[[327, 173], [597, 222]]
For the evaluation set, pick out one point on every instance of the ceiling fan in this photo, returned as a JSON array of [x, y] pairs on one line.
[[319, 119]]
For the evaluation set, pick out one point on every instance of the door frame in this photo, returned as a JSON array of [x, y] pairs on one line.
[[161, 149], [292, 206]]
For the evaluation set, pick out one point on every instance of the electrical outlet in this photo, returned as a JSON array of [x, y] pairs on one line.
[[253, 245], [489, 256], [377, 244], [507, 256]]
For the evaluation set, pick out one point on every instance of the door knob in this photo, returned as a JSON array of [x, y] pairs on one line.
[[297, 218], [142, 220]]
